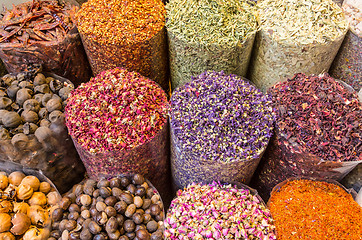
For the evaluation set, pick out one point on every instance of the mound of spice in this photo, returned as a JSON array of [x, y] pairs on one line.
[[307, 209], [295, 36], [220, 127], [218, 211], [318, 130], [32, 127], [122, 33], [209, 35], [122, 208], [118, 123], [43, 32], [347, 66]]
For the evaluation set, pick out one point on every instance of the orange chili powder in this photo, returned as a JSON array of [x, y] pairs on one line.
[[307, 209]]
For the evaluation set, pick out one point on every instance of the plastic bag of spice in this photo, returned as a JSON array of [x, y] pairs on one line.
[[118, 123], [32, 129], [42, 32], [220, 127], [347, 65], [295, 36], [209, 35], [135, 38], [317, 132]]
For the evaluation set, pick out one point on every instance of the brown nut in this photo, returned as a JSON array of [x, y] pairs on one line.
[[44, 187], [43, 113], [30, 116], [4, 134], [21, 223], [16, 177], [56, 117], [22, 95], [54, 104], [31, 105], [12, 90], [38, 215], [29, 128], [39, 79], [11, 119], [55, 85], [6, 206], [53, 198], [35, 233], [32, 181], [24, 192], [64, 93], [43, 134], [38, 198], [5, 102], [44, 88], [26, 84], [38, 97], [46, 98], [20, 141], [44, 123], [5, 222], [4, 182], [7, 236]]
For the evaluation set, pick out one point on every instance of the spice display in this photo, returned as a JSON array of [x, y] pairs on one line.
[[129, 34], [126, 207], [218, 211], [32, 128], [118, 123], [24, 207], [308, 209], [318, 132], [347, 65], [220, 127], [295, 36], [209, 35], [42, 32]]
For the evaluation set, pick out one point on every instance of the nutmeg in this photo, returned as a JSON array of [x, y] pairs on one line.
[[24, 192], [15, 178], [54, 104], [38, 215], [31, 105], [26, 84], [35, 233], [21, 207], [5, 222], [2, 113], [4, 182], [64, 93], [21, 223], [20, 141], [53, 198], [6, 206], [29, 128], [38, 97], [38, 198], [39, 79], [12, 90], [55, 85], [44, 88], [44, 187], [10, 191], [11, 119], [32, 181], [30, 116], [56, 117], [43, 134], [44, 123], [22, 95]]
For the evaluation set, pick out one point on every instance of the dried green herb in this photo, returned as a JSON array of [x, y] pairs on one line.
[[209, 35], [295, 36]]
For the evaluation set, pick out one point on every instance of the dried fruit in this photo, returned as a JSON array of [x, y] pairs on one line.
[[4, 182], [15, 178], [24, 192], [21, 222], [32, 181], [5, 222]]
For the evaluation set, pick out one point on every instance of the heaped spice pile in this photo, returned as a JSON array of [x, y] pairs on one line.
[[35, 21], [218, 119], [320, 115], [306, 209], [121, 33], [218, 211], [116, 110]]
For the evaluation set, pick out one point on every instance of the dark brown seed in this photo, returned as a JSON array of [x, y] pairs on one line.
[[110, 211], [57, 214], [150, 193], [74, 236], [120, 207], [110, 201], [96, 193], [78, 189], [90, 182], [85, 214], [114, 235], [137, 218], [125, 181], [101, 218], [120, 219], [147, 217], [159, 217], [101, 236], [140, 191], [65, 203], [143, 235], [94, 228], [62, 224], [131, 235], [124, 237], [138, 227], [115, 182], [126, 197], [131, 188], [155, 209], [55, 234], [103, 183], [73, 216], [88, 189], [105, 192], [152, 226], [93, 211], [86, 223], [116, 192], [70, 225], [138, 179], [158, 235], [146, 203], [111, 225], [74, 208], [140, 211], [129, 226], [80, 221], [85, 234]]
